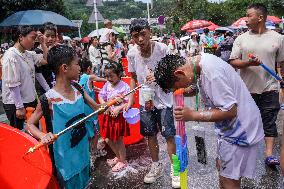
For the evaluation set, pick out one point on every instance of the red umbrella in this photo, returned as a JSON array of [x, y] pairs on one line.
[[213, 27], [274, 19], [85, 40], [242, 21], [195, 24]]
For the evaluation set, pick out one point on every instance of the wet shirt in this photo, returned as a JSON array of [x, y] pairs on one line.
[[18, 69], [71, 150], [221, 87], [269, 47], [140, 65]]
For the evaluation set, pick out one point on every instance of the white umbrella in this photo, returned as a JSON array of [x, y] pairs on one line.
[[184, 38], [66, 38], [101, 31]]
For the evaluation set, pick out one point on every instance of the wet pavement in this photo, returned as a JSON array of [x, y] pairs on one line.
[[199, 176]]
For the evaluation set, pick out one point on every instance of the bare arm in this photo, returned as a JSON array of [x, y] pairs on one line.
[[91, 102], [133, 82], [42, 40], [93, 77], [34, 119], [239, 64], [213, 115]]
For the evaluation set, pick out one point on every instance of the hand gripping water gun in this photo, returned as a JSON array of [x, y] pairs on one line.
[[266, 68], [100, 110], [180, 159]]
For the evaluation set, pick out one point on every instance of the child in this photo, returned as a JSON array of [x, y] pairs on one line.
[[114, 125], [86, 81], [237, 119], [70, 152]]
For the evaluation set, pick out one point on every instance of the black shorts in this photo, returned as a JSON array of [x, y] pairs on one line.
[[268, 104]]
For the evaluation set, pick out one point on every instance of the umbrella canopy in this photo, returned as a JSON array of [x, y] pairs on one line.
[[224, 29], [196, 24], [66, 38], [100, 32], [85, 40], [37, 18], [119, 29], [213, 27], [242, 21]]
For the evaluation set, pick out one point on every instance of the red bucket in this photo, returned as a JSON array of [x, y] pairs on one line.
[[19, 171]]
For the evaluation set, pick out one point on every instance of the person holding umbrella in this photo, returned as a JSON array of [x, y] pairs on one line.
[[18, 69]]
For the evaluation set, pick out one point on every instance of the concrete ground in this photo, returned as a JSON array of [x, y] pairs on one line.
[[199, 176]]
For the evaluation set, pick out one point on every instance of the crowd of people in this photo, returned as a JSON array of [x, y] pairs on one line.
[[56, 78]]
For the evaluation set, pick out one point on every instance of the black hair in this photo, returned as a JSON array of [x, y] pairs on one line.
[[206, 30], [138, 25], [59, 55], [259, 7], [116, 67], [21, 30], [164, 72], [85, 63], [49, 26]]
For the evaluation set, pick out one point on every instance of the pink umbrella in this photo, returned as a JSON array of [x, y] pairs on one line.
[[213, 27], [195, 24]]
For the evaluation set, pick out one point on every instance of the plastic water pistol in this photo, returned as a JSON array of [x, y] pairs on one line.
[[266, 68], [180, 159]]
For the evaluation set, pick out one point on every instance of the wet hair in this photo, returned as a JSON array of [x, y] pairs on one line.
[[259, 7], [21, 30], [85, 64], [59, 55], [117, 68], [49, 26], [138, 25], [164, 72]]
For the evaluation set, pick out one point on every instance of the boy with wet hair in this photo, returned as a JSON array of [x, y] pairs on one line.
[[228, 103], [156, 112]]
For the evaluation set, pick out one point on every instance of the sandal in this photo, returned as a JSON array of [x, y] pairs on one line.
[[119, 167], [112, 162], [270, 161]]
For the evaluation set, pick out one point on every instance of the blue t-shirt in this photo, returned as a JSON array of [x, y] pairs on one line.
[[90, 123]]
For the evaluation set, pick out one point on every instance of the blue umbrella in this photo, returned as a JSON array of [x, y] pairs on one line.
[[37, 18], [224, 29]]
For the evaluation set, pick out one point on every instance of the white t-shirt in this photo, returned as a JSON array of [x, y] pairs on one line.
[[221, 87], [94, 55], [269, 47], [18, 69], [139, 65]]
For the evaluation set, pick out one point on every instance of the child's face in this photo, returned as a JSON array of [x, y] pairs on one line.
[[50, 38], [73, 69], [111, 76], [184, 79]]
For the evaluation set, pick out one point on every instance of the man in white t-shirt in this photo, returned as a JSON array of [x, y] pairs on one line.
[[95, 56], [228, 103], [268, 47], [156, 113]]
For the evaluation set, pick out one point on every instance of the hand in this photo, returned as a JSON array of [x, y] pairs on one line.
[[41, 38], [48, 138], [254, 61], [107, 112], [21, 113], [128, 106], [114, 112], [150, 78], [184, 114]]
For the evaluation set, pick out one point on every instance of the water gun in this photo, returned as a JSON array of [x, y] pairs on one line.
[[180, 159], [266, 68]]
